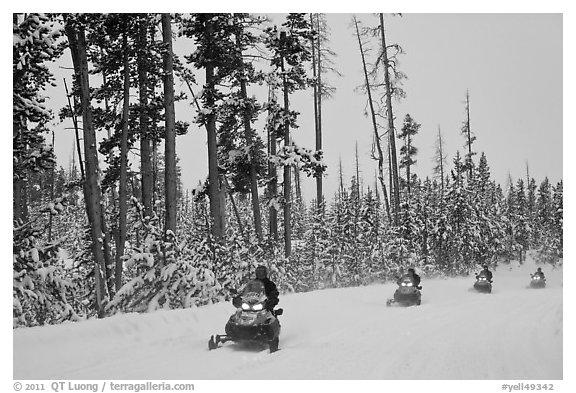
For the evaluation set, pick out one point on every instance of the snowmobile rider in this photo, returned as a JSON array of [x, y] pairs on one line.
[[270, 289], [540, 273], [486, 273], [415, 278]]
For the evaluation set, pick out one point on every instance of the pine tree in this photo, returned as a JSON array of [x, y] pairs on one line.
[[249, 110], [440, 158], [558, 218], [379, 156], [289, 55], [35, 44], [322, 63], [170, 178], [75, 31], [463, 246], [407, 152], [523, 230], [391, 90], [531, 208], [470, 138]]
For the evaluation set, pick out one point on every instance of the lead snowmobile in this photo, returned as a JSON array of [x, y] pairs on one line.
[[537, 281], [483, 284], [407, 293], [251, 322]]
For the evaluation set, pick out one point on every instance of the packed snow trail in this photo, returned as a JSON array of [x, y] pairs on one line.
[[515, 333]]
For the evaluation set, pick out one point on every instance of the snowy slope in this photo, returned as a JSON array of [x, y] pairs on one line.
[[515, 333]]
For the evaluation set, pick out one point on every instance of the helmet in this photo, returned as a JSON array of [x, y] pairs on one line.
[[539, 269], [261, 272], [485, 267], [411, 270]]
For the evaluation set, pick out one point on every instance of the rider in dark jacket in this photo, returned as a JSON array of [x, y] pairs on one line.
[[486, 273], [270, 289], [540, 273], [415, 278]]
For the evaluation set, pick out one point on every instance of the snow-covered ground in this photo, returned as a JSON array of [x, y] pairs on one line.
[[515, 333]]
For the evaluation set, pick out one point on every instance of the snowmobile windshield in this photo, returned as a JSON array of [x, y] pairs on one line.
[[253, 287], [406, 280]]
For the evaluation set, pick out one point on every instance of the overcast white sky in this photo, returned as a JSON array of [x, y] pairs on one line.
[[512, 65]]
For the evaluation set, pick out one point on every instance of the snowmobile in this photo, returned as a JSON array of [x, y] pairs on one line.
[[407, 293], [482, 284], [251, 322], [537, 281]]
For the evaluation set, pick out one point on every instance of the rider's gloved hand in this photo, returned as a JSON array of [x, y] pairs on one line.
[[268, 305]]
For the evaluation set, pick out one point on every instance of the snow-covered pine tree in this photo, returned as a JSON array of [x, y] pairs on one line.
[[486, 210], [75, 27], [322, 63], [531, 209], [469, 136], [463, 244], [407, 151], [550, 219], [558, 218], [42, 292], [290, 53], [522, 225], [216, 54], [34, 46], [369, 240]]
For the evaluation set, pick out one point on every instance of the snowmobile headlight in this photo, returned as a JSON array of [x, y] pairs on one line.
[[536, 277], [245, 306], [257, 307], [406, 284]]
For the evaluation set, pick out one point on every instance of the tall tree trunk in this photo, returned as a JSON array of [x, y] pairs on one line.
[[19, 197], [216, 211], [145, 143], [357, 172], [468, 136], [441, 158], [374, 125], [341, 177], [390, 116], [316, 72], [297, 185], [319, 187], [408, 144], [170, 135], [272, 176], [20, 205], [249, 141], [92, 191], [235, 208], [155, 185], [287, 179], [123, 186], [52, 179], [76, 130], [113, 196]]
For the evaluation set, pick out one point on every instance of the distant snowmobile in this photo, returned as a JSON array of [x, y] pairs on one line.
[[407, 293], [251, 322], [537, 281], [483, 284]]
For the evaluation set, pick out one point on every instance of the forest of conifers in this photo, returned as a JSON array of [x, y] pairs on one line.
[[92, 240]]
